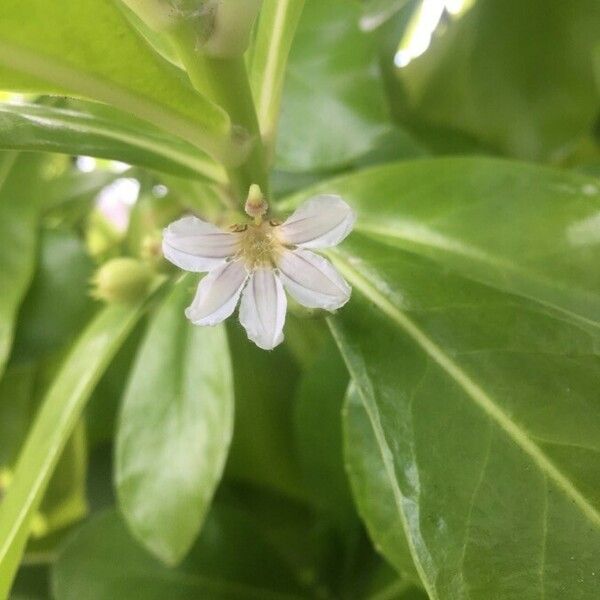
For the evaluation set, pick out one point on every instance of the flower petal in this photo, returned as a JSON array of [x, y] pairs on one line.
[[321, 222], [262, 310], [312, 280], [198, 246], [218, 294]]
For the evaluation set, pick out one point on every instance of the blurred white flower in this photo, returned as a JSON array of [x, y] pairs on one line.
[[257, 261]]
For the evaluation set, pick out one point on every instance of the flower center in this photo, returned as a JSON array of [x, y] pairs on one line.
[[259, 245]]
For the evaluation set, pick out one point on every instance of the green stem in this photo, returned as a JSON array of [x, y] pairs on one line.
[[277, 25], [225, 81]]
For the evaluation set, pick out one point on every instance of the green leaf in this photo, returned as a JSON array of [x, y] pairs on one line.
[[263, 445], [88, 49], [517, 74], [523, 229], [476, 414], [174, 429], [371, 484], [333, 105], [94, 130], [231, 561], [60, 411], [20, 202], [57, 305], [318, 433]]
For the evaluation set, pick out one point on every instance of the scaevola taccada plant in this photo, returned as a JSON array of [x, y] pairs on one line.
[[259, 260]]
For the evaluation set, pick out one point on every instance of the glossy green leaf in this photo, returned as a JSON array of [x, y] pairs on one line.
[[60, 410], [333, 105], [88, 49], [517, 74], [20, 202], [94, 130], [231, 561], [524, 229], [475, 417], [174, 429], [57, 305], [371, 483]]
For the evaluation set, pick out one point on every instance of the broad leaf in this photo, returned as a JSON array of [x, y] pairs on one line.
[[231, 561], [517, 74], [94, 130], [333, 105], [20, 202], [87, 48], [524, 229], [58, 414], [175, 429], [477, 417]]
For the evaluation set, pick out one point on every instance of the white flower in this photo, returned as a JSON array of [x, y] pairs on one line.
[[257, 261]]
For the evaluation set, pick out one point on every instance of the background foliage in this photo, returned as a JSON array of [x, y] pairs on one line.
[[437, 438]]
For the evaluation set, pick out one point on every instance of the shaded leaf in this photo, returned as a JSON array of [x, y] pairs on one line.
[[230, 562], [516, 74], [333, 103]]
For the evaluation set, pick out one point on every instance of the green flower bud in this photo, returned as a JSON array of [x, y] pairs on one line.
[[121, 280]]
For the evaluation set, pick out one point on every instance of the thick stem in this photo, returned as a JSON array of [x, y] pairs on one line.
[[225, 81]]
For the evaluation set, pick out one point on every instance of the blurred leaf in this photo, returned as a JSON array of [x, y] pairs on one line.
[[58, 415], [523, 229], [20, 202], [377, 12], [88, 49], [457, 438], [230, 561], [91, 129], [103, 406], [333, 104], [21, 390], [318, 429], [515, 73], [57, 305], [262, 451], [31, 584], [174, 429]]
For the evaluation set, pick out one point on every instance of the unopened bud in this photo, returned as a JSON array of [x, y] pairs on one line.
[[256, 205], [121, 280]]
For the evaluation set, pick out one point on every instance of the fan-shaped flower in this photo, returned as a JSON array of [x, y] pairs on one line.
[[258, 261]]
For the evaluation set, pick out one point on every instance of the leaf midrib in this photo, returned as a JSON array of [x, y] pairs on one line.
[[418, 234], [518, 435]]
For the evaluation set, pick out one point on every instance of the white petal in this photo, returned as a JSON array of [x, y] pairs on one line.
[[218, 294], [320, 222], [262, 310], [312, 280], [195, 245]]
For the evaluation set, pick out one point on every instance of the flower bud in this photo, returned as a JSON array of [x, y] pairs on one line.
[[121, 280]]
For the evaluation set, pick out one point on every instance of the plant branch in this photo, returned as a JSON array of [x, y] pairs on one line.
[[225, 82], [277, 24]]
